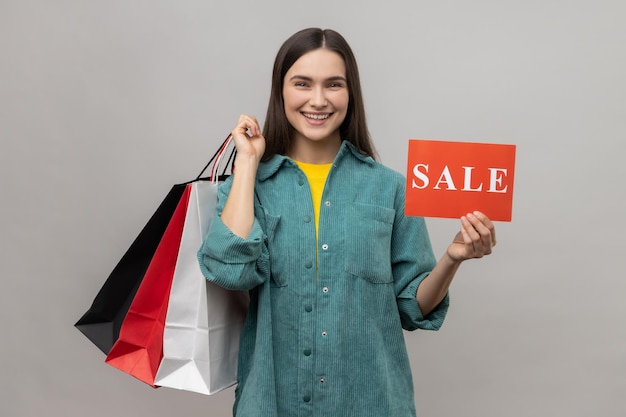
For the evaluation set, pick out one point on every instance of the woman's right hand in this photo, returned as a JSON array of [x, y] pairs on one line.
[[249, 141], [238, 213]]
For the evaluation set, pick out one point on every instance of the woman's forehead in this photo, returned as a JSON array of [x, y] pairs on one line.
[[319, 63]]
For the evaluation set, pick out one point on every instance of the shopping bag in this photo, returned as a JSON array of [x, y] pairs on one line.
[[127, 318], [103, 320], [204, 321], [139, 348]]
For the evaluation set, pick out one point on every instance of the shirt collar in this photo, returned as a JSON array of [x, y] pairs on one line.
[[269, 168]]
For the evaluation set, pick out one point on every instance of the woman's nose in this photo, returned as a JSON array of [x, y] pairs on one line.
[[318, 97]]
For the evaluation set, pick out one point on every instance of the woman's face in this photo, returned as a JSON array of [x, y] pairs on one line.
[[315, 94]]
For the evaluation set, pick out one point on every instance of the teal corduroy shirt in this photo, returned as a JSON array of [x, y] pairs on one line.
[[327, 342]]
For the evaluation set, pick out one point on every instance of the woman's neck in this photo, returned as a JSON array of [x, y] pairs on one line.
[[314, 152]]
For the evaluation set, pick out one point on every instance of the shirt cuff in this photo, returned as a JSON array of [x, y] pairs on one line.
[[411, 314], [223, 245]]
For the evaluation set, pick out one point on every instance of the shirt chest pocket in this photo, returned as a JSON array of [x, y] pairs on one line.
[[368, 242]]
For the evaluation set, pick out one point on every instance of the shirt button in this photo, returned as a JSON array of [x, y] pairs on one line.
[[308, 264], [307, 219], [308, 308], [306, 398], [324, 334], [322, 380], [307, 352], [324, 246], [325, 289], [300, 182], [327, 203]]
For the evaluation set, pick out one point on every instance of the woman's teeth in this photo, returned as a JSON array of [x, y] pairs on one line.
[[316, 116]]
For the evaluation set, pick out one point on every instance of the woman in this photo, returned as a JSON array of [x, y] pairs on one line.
[[314, 227]]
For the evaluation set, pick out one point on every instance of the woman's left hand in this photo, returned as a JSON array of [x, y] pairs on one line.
[[476, 238]]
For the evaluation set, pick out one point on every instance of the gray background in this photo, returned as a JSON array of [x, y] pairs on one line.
[[105, 104]]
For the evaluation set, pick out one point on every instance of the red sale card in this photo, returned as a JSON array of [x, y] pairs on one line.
[[451, 179]]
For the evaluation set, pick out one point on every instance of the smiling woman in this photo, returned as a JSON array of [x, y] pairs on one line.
[[344, 76], [315, 229], [315, 95]]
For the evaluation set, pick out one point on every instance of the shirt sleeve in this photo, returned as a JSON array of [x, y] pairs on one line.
[[412, 260], [231, 261]]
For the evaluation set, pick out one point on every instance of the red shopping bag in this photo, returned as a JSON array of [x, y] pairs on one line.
[[139, 348]]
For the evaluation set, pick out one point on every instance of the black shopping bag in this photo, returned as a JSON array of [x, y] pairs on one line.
[[102, 322]]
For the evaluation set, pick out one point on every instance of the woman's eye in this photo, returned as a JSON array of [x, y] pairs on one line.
[[335, 85], [300, 84]]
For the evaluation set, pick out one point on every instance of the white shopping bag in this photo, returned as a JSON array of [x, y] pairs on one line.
[[204, 321]]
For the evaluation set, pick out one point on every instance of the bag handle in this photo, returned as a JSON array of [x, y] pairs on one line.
[[216, 160]]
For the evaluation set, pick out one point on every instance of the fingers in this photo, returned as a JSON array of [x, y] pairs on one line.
[[247, 124], [488, 225], [478, 234], [248, 138]]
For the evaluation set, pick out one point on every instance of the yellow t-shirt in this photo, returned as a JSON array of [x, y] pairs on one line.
[[316, 174]]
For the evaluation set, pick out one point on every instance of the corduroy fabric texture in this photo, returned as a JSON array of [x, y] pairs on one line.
[[332, 346]]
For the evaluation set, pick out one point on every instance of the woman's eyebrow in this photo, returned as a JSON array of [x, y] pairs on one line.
[[305, 78]]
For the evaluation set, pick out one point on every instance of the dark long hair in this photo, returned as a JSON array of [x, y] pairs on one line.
[[277, 130]]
